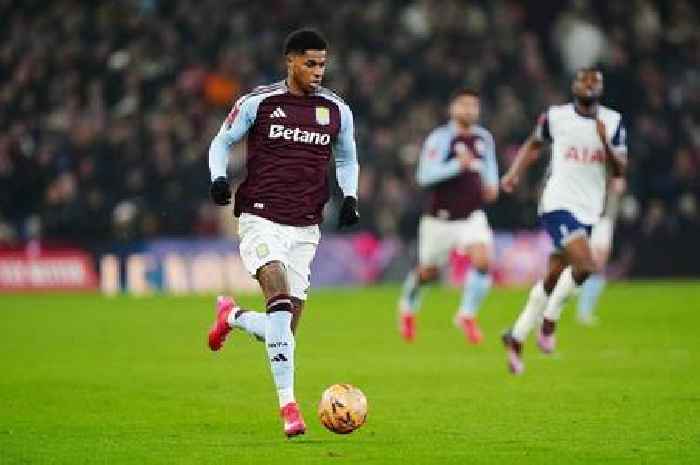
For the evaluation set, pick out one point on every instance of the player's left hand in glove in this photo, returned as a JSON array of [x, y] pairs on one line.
[[220, 191], [349, 216]]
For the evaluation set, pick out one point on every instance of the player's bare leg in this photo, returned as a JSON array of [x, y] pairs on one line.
[[297, 310], [279, 341], [578, 255], [409, 303], [532, 312], [477, 284]]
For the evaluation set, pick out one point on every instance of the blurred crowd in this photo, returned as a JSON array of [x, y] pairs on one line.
[[107, 108]]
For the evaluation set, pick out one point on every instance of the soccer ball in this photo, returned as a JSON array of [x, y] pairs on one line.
[[343, 408]]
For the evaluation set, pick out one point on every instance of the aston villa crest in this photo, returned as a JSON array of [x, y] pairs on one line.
[[323, 116]]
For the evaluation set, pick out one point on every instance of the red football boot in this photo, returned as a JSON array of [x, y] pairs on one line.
[[407, 326], [293, 422], [470, 328], [221, 328]]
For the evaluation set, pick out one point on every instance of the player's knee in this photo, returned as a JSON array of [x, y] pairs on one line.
[[480, 257], [481, 263], [273, 279], [549, 282], [581, 272], [427, 274], [273, 266]]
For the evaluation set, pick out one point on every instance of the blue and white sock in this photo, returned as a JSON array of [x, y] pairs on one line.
[[411, 293], [476, 286], [279, 342], [590, 292]]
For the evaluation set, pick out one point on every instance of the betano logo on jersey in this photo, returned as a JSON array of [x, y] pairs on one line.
[[278, 131]]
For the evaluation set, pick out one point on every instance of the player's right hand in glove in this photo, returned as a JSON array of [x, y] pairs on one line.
[[220, 191], [349, 216]]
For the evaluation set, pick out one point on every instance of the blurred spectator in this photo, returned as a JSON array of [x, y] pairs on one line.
[[107, 108]]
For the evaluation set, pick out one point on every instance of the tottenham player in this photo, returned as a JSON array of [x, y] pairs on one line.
[[588, 144], [291, 129], [458, 168], [601, 246]]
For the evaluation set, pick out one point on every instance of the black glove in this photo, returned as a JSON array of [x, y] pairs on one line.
[[349, 215], [220, 191]]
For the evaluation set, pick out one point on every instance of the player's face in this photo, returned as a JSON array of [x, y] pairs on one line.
[[307, 69], [465, 109], [588, 85]]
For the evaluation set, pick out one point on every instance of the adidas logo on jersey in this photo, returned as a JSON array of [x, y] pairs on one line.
[[279, 358], [277, 131], [278, 113]]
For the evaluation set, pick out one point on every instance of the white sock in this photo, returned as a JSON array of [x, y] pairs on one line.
[[251, 322], [534, 307], [564, 288], [279, 341]]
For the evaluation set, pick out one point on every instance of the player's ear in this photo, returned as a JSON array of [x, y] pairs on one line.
[[290, 59], [451, 109]]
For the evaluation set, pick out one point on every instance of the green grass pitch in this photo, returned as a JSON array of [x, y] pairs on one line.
[[86, 379]]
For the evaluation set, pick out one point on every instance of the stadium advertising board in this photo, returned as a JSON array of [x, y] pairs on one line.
[[46, 270], [182, 266]]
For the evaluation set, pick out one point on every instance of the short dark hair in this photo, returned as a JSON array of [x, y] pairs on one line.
[[588, 69], [301, 40], [470, 91]]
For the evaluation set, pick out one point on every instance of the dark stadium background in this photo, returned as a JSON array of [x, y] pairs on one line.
[[107, 108]]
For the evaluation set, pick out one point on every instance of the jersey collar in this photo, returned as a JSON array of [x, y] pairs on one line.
[[597, 109]]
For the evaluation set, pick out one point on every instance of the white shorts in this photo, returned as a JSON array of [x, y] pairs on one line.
[[602, 234], [264, 241], [437, 237]]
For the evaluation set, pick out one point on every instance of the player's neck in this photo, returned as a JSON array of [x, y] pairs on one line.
[[294, 88], [587, 110]]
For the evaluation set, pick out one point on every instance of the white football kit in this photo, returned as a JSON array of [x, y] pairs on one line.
[[577, 179]]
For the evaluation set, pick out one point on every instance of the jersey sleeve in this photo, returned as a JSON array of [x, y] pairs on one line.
[[618, 142], [235, 127], [541, 132], [347, 169], [489, 172], [432, 164]]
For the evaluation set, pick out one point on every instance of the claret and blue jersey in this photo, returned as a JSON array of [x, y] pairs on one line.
[[289, 142], [455, 193]]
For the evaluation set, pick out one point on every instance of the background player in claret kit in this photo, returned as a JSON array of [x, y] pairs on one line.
[[292, 127], [601, 247], [458, 167], [588, 144]]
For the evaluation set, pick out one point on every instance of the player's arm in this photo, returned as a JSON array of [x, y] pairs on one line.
[[347, 169], [489, 172], [433, 167], [615, 148], [235, 127], [527, 154]]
